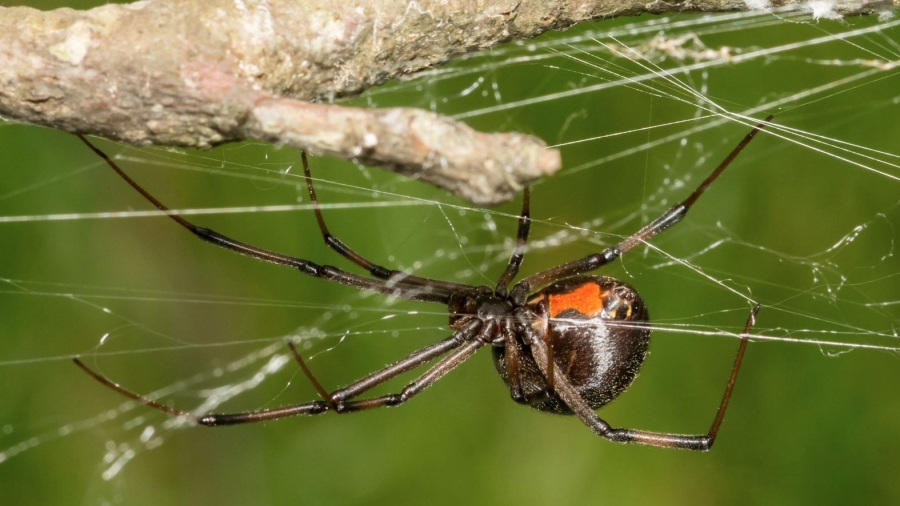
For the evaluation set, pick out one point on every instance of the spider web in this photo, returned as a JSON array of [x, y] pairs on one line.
[[804, 223]]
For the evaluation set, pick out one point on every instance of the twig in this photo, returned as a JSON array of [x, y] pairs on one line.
[[188, 73]]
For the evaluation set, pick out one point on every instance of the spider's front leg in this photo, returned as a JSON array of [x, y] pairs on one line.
[[564, 389], [665, 221]]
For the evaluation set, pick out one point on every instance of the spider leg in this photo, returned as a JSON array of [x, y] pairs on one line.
[[580, 407], [512, 359], [133, 395], [515, 260], [436, 372], [421, 292], [377, 271], [664, 221], [337, 399], [309, 408], [466, 341]]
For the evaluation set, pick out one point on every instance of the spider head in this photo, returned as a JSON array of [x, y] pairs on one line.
[[465, 303], [480, 302]]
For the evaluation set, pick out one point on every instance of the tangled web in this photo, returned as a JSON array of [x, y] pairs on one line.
[[804, 223]]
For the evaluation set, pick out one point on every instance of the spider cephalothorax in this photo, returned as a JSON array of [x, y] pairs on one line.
[[569, 347]]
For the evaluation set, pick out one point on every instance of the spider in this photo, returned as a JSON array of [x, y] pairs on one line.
[[563, 341]]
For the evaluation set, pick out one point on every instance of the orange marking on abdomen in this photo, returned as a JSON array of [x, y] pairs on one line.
[[586, 299]]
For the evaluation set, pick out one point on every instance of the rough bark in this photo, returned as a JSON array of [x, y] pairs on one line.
[[189, 73]]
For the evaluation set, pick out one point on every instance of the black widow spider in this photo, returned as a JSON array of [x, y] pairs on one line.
[[570, 347]]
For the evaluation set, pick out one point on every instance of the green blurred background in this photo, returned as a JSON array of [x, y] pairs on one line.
[[809, 423]]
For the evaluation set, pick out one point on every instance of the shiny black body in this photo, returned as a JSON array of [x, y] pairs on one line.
[[600, 352]]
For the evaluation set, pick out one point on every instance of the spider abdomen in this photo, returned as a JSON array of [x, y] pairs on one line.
[[597, 329]]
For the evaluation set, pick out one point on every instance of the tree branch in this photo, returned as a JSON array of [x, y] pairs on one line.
[[178, 72]]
